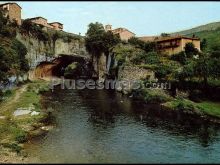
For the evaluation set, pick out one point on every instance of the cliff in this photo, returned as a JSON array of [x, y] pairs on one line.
[[39, 51]]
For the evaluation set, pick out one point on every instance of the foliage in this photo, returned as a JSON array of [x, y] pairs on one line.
[[99, 41], [180, 57], [211, 36], [12, 51], [94, 39], [190, 50], [109, 41], [147, 46], [54, 35], [37, 31], [203, 44], [72, 70], [151, 95], [164, 35], [21, 52]]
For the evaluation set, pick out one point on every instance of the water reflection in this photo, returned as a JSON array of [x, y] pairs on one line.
[[106, 127], [107, 105]]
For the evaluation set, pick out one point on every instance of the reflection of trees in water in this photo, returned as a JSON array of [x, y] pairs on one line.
[[177, 124], [105, 107]]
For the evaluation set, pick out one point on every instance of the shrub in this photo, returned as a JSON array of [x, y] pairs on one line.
[[180, 57], [152, 96]]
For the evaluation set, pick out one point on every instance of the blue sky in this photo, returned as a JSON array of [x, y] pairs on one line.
[[142, 18]]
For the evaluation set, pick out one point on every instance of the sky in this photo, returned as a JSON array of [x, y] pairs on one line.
[[142, 18]]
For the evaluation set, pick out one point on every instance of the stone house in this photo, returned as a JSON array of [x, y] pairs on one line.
[[12, 11], [123, 33], [43, 22], [40, 21], [176, 44], [172, 44]]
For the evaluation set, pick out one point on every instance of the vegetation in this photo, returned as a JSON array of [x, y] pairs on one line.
[[12, 128], [12, 51], [73, 70], [99, 41], [151, 95], [210, 108]]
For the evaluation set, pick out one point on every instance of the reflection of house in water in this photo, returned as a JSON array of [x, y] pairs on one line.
[[12, 11], [123, 33], [172, 44]]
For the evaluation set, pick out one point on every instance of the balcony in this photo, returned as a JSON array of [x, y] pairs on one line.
[[171, 44]]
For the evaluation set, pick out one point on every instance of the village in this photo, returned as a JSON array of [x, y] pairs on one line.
[[166, 44], [109, 82]]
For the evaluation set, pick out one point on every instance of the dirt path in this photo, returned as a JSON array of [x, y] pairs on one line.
[[6, 105]]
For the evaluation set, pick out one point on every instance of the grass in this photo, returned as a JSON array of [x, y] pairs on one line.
[[205, 107], [11, 131], [152, 95], [210, 108], [7, 94]]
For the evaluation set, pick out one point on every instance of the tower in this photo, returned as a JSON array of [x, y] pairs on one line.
[[108, 27]]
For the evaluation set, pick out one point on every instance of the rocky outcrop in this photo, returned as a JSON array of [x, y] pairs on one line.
[[39, 51], [129, 72]]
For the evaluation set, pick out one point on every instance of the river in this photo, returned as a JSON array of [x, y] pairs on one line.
[[98, 126]]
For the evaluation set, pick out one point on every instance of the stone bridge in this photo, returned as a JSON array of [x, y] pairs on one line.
[[54, 67]]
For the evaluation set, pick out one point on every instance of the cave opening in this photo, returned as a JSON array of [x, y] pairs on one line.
[[58, 67]]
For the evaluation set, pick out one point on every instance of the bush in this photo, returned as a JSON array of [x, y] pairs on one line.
[[151, 95], [14, 147], [180, 57]]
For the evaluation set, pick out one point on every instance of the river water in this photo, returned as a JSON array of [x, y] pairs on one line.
[[97, 126]]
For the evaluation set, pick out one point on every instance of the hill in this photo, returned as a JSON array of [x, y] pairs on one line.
[[208, 27], [210, 32]]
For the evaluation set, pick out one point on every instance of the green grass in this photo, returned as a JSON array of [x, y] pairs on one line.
[[6, 95], [206, 107], [11, 132], [210, 108], [152, 95]]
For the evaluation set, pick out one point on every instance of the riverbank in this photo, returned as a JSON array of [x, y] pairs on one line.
[[205, 110], [21, 118]]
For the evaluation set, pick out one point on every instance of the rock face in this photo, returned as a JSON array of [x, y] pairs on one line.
[[39, 51], [135, 73]]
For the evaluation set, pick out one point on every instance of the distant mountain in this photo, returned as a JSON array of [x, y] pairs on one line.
[[208, 27], [210, 32]]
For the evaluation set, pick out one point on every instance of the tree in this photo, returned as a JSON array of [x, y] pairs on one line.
[[203, 44], [109, 41], [147, 46], [21, 51], [180, 57], [136, 42], [94, 39], [99, 41], [190, 50], [164, 35], [202, 67]]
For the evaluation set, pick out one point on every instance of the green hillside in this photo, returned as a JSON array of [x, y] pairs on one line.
[[208, 27], [210, 32]]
